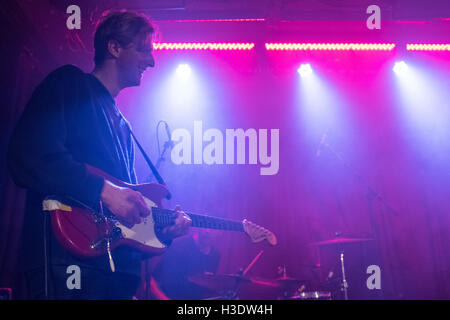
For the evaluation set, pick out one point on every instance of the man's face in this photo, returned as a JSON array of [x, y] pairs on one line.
[[134, 60]]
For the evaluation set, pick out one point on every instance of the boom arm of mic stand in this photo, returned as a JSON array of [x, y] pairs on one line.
[[167, 145], [370, 190]]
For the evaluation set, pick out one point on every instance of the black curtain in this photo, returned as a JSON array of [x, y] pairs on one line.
[[24, 62]]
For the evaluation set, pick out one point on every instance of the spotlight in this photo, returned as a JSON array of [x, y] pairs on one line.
[[400, 67], [183, 70], [304, 70]]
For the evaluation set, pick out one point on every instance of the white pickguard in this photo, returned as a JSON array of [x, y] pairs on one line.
[[143, 232]]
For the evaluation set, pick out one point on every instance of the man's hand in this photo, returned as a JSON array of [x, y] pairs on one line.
[[179, 228], [127, 205]]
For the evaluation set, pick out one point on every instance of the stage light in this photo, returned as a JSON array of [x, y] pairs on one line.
[[422, 104], [202, 46], [304, 70], [320, 107], [427, 47], [183, 71], [400, 67], [183, 91], [330, 46]]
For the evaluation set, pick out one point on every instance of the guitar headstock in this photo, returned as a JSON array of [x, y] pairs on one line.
[[258, 233]]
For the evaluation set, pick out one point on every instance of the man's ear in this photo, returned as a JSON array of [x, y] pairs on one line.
[[114, 48]]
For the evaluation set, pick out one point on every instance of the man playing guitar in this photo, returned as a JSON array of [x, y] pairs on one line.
[[72, 121]]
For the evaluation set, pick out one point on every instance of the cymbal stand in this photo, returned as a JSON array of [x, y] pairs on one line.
[[344, 287], [371, 194], [282, 271], [233, 293]]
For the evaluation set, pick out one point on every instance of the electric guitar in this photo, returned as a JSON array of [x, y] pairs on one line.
[[89, 233]]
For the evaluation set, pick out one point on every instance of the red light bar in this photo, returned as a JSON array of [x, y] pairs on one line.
[[427, 47], [203, 46], [330, 46]]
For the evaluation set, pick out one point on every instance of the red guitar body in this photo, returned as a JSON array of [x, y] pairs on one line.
[[78, 228], [90, 233]]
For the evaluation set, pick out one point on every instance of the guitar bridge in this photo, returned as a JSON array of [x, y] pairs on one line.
[[102, 242]]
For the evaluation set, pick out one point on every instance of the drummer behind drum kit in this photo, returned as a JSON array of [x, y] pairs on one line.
[[227, 286]]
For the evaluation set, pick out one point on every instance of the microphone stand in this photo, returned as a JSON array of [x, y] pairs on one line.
[[371, 194], [168, 144]]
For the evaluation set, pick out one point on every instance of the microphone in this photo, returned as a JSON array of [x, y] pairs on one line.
[[169, 135], [322, 143]]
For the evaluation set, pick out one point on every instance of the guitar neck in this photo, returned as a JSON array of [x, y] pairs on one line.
[[164, 217]]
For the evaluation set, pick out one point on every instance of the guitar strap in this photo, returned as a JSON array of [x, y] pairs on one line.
[[150, 164]]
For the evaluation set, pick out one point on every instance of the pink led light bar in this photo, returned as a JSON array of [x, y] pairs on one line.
[[411, 22], [203, 46], [330, 46], [427, 47]]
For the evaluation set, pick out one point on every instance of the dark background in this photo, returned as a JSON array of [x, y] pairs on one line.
[[399, 147]]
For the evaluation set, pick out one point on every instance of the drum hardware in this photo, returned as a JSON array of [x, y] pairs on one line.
[[228, 284], [313, 295], [340, 243], [287, 283], [344, 280]]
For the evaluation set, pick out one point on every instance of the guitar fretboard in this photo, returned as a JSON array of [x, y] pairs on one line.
[[164, 217]]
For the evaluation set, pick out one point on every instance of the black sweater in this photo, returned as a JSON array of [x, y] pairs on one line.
[[71, 120]]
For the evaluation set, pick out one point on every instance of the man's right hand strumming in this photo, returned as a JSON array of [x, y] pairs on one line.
[[127, 205]]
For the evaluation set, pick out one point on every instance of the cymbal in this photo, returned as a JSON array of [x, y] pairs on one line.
[[287, 279], [339, 241], [219, 282], [280, 282]]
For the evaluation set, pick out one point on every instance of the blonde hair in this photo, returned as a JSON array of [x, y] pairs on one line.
[[122, 26]]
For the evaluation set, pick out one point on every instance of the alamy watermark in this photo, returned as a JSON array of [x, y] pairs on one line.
[[227, 148], [374, 20], [74, 280], [374, 280], [74, 19]]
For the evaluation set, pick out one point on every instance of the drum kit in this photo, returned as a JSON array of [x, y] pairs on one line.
[[229, 286]]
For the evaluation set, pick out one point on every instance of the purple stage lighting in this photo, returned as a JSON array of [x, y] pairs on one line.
[[304, 70], [184, 70], [400, 67]]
